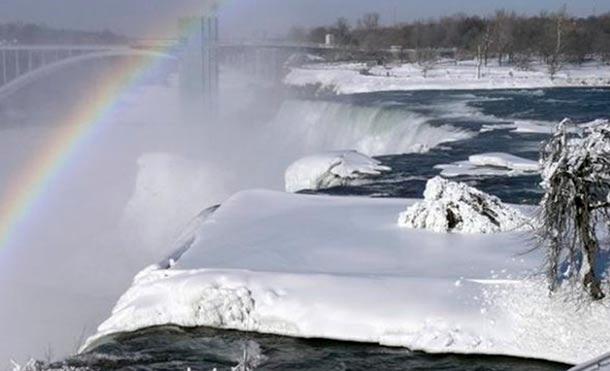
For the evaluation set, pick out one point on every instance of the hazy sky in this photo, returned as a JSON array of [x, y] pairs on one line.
[[155, 18]]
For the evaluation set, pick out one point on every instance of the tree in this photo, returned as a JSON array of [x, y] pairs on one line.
[[298, 34], [426, 59], [503, 26], [342, 32], [483, 50], [369, 21], [554, 61], [576, 178], [318, 35]]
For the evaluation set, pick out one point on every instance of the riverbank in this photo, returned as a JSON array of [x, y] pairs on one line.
[[351, 78]]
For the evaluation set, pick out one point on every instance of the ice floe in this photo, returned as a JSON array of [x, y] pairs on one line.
[[490, 164], [330, 169]]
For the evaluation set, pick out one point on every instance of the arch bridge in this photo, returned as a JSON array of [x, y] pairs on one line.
[[22, 64]]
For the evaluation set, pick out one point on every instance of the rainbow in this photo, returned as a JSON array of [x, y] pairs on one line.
[[26, 189]]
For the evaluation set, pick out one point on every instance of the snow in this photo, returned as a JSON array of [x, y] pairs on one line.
[[341, 268], [346, 78], [455, 207], [492, 163], [330, 169]]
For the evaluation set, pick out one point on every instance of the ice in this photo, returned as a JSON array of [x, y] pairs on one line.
[[341, 268], [330, 169], [346, 78], [505, 160], [455, 207], [490, 164]]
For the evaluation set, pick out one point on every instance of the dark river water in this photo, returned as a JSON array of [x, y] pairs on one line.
[[496, 112], [172, 348]]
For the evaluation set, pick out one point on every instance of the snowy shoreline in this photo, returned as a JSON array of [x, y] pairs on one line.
[[336, 259], [353, 78]]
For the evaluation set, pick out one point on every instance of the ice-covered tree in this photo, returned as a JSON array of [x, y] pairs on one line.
[[426, 59], [575, 207], [555, 60]]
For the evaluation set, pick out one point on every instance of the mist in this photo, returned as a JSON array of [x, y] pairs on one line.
[[117, 205], [148, 168]]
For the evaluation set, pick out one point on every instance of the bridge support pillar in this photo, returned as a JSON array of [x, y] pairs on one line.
[[209, 32], [199, 72], [17, 64], [4, 76]]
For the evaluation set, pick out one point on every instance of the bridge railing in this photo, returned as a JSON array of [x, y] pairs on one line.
[[18, 59]]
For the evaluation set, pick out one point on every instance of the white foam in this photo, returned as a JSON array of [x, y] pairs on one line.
[[325, 126]]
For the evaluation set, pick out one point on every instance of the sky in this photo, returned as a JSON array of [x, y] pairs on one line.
[[241, 18]]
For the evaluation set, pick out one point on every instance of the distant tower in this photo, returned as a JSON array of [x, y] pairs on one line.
[[199, 71], [209, 32]]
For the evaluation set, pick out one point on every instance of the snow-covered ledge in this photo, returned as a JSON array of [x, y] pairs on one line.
[[455, 207], [341, 268], [330, 169]]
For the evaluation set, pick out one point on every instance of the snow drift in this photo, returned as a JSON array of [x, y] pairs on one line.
[[330, 169], [354, 274], [455, 207]]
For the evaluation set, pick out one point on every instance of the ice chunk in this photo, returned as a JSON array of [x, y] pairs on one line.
[[330, 169], [490, 164], [455, 207], [505, 160]]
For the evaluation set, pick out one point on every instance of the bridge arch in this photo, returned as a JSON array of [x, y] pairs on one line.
[[32, 76]]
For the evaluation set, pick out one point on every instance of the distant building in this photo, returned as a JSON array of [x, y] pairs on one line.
[[330, 39]]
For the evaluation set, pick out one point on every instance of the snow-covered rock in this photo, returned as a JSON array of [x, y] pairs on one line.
[[341, 268], [493, 163], [330, 169], [455, 207]]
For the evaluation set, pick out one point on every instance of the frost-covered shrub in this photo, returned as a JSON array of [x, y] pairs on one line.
[[576, 178], [455, 207]]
